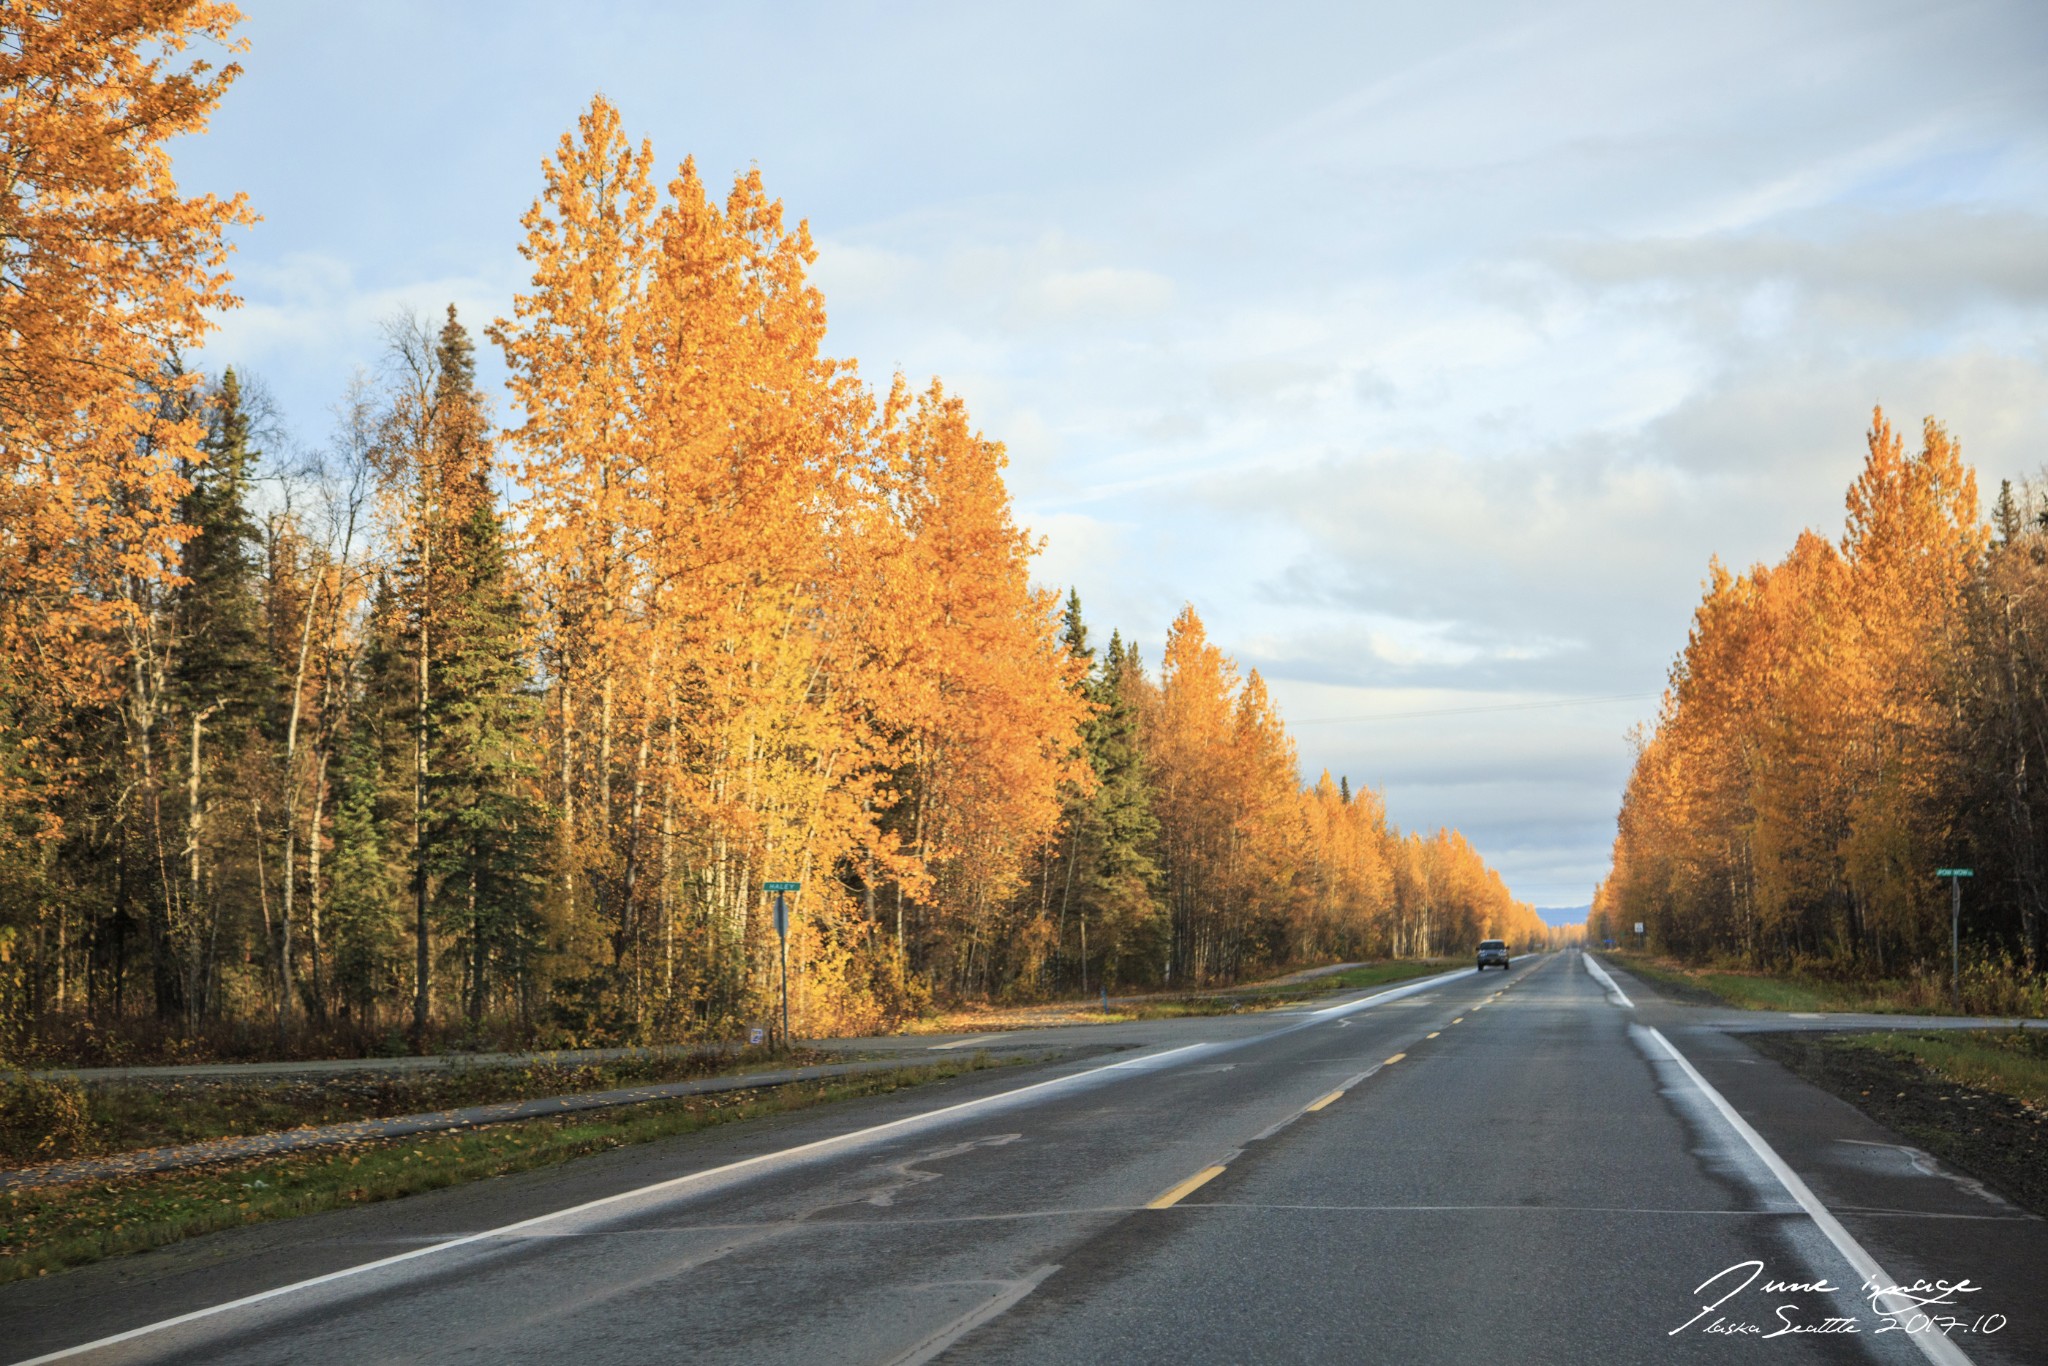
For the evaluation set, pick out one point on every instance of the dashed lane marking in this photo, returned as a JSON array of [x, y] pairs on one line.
[[1186, 1188]]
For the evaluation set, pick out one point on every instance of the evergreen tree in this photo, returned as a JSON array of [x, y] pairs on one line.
[[221, 655], [1121, 889], [484, 830]]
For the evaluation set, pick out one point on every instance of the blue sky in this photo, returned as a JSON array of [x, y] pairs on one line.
[[1430, 351]]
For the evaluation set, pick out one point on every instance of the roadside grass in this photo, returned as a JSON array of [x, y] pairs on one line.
[[2009, 1062], [1182, 1004], [1240, 1000], [146, 1113], [51, 1228], [1986, 992], [1976, 1100], [1211, 1002]]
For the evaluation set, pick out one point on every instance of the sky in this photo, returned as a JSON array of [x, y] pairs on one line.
[[1429, 351]]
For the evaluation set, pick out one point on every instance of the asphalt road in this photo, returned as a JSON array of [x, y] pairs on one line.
[[1529, 1167]]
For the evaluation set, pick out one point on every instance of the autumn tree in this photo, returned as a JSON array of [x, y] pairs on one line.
[[107, 275]]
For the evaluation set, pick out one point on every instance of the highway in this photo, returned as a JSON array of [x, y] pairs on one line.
[[1536, 1166]]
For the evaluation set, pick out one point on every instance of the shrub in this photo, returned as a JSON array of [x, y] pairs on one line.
[[41, 1121]]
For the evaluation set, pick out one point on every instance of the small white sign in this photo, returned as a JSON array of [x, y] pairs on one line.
[[1639, 927], [757, 1035]]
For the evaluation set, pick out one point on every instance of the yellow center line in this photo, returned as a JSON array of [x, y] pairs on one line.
[[1432, 1036], [1396, 1058], [1459, 1020], [1186, 1188], [1317, 1105]]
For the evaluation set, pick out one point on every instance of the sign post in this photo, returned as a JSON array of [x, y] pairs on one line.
[[782, 933], [1955, 878]]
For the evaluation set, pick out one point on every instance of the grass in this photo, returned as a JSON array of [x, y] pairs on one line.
[[1984, 992], [49, 1229], [123, 1116], [2009, 1062], [1976, 1100], [1271, 997]]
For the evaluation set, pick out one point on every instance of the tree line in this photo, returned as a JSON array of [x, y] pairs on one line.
[[455, 728], [1843, 723]]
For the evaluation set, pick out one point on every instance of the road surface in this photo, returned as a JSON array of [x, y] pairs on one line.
[[1535, 1167]]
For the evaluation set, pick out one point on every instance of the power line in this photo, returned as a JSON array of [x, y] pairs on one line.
[[1468, 711]]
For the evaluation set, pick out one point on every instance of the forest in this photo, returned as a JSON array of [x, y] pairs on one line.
[[1844, 723], [485, 721]]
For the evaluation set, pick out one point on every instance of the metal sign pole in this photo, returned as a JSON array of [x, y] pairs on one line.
[[782, 933], [1955, 878]]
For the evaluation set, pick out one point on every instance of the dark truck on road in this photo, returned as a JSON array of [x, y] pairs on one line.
[[1492, 952]]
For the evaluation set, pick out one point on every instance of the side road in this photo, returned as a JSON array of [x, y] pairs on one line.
[[571, 1057], [399, 1126]]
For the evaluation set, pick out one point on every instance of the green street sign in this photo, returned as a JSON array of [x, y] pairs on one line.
[[1955, 872], [782, 886]]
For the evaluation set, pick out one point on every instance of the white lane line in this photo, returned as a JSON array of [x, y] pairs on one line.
[[963, 1043], [1935, 1347], [709, 1178], [1599, 974], [746, 1168], [1013, 1291]]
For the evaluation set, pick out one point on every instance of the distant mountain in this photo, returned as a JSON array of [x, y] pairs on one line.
[[1565, 915]]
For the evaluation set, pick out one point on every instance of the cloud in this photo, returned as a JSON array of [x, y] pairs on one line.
[[1915, 266]]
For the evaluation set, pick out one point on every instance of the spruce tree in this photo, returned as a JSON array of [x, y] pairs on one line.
[[484, 829]]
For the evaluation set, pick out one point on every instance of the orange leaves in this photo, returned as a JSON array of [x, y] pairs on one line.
[[1790, 796], [106, 276], [771, 612]]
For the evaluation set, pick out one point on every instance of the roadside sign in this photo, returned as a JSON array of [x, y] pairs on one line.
[[756, 1034], [782, 933], [1955, 872], [1639, 927]]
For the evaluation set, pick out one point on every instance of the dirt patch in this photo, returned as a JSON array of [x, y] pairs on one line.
[[1998, 1139]]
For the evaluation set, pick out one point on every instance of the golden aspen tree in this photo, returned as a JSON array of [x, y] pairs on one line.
[[107, 275], [998, 714], [571, 349]]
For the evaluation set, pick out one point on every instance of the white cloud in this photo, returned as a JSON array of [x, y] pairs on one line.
[[1420, 348]]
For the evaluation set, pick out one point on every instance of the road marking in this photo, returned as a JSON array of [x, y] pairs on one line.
[[1185, 1188], [962, 1043], [1459, 1020], [1432, 1036], [929, 1348], [1598, 973], [740, 1170], [1391, 1061], [1316, 1105], [710, 1176], [1935, 1348]]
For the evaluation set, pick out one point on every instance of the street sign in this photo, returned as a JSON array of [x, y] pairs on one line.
[[756, 1034], [1955, 872], [782, 886], [1639, 927]]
